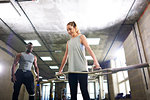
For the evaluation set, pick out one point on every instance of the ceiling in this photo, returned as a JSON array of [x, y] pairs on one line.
[[45, 21]]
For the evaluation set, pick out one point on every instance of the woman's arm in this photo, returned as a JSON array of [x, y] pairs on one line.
[[85, 43], [64, 59]]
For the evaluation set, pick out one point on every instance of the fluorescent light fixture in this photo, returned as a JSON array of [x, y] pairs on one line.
[[44, 80], [53, 67], [58, 51], [93, 41], [8, 10], [46, 58], [34, 42], [88, 57], [40, 77]]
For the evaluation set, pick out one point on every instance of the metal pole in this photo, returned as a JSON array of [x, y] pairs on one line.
[[99, 87], [95, 90]]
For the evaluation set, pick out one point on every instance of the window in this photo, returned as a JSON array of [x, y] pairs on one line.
[[122, 77], [91, 90], [46, 91]]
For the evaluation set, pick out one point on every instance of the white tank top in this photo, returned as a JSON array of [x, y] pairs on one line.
[[76, 55]]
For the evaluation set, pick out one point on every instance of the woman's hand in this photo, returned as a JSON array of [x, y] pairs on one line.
[[97, 66], [60, 72]]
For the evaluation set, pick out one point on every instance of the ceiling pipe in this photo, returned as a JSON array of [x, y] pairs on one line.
[[36, 32], [23, 42]]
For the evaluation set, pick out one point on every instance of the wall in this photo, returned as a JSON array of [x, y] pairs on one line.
[[136, 77], [6, 61], [144, 31], [137, 47]]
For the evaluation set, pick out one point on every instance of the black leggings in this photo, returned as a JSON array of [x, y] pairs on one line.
[[73, 79], [27, 79]]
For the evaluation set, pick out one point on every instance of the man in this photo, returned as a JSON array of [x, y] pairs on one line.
[[24, 75]]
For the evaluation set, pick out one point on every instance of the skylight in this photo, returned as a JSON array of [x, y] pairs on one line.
[[34, 42], [53, 67], [93, 41], [94, 14], [8, 10], [46, 58]]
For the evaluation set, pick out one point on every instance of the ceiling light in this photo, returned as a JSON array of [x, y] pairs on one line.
[[88, 57], [8, 10], [58, 51], [93, 41], [53, 67], [40, 77], [44, 80], [34, 42], [46, 58]]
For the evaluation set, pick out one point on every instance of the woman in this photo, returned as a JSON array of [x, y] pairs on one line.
[[75, 52]]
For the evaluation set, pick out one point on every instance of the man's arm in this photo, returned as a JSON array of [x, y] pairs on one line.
[[14, 67], [36, 67]]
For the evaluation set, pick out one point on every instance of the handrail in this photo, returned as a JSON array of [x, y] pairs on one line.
[[100, 72], [106, 71]]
